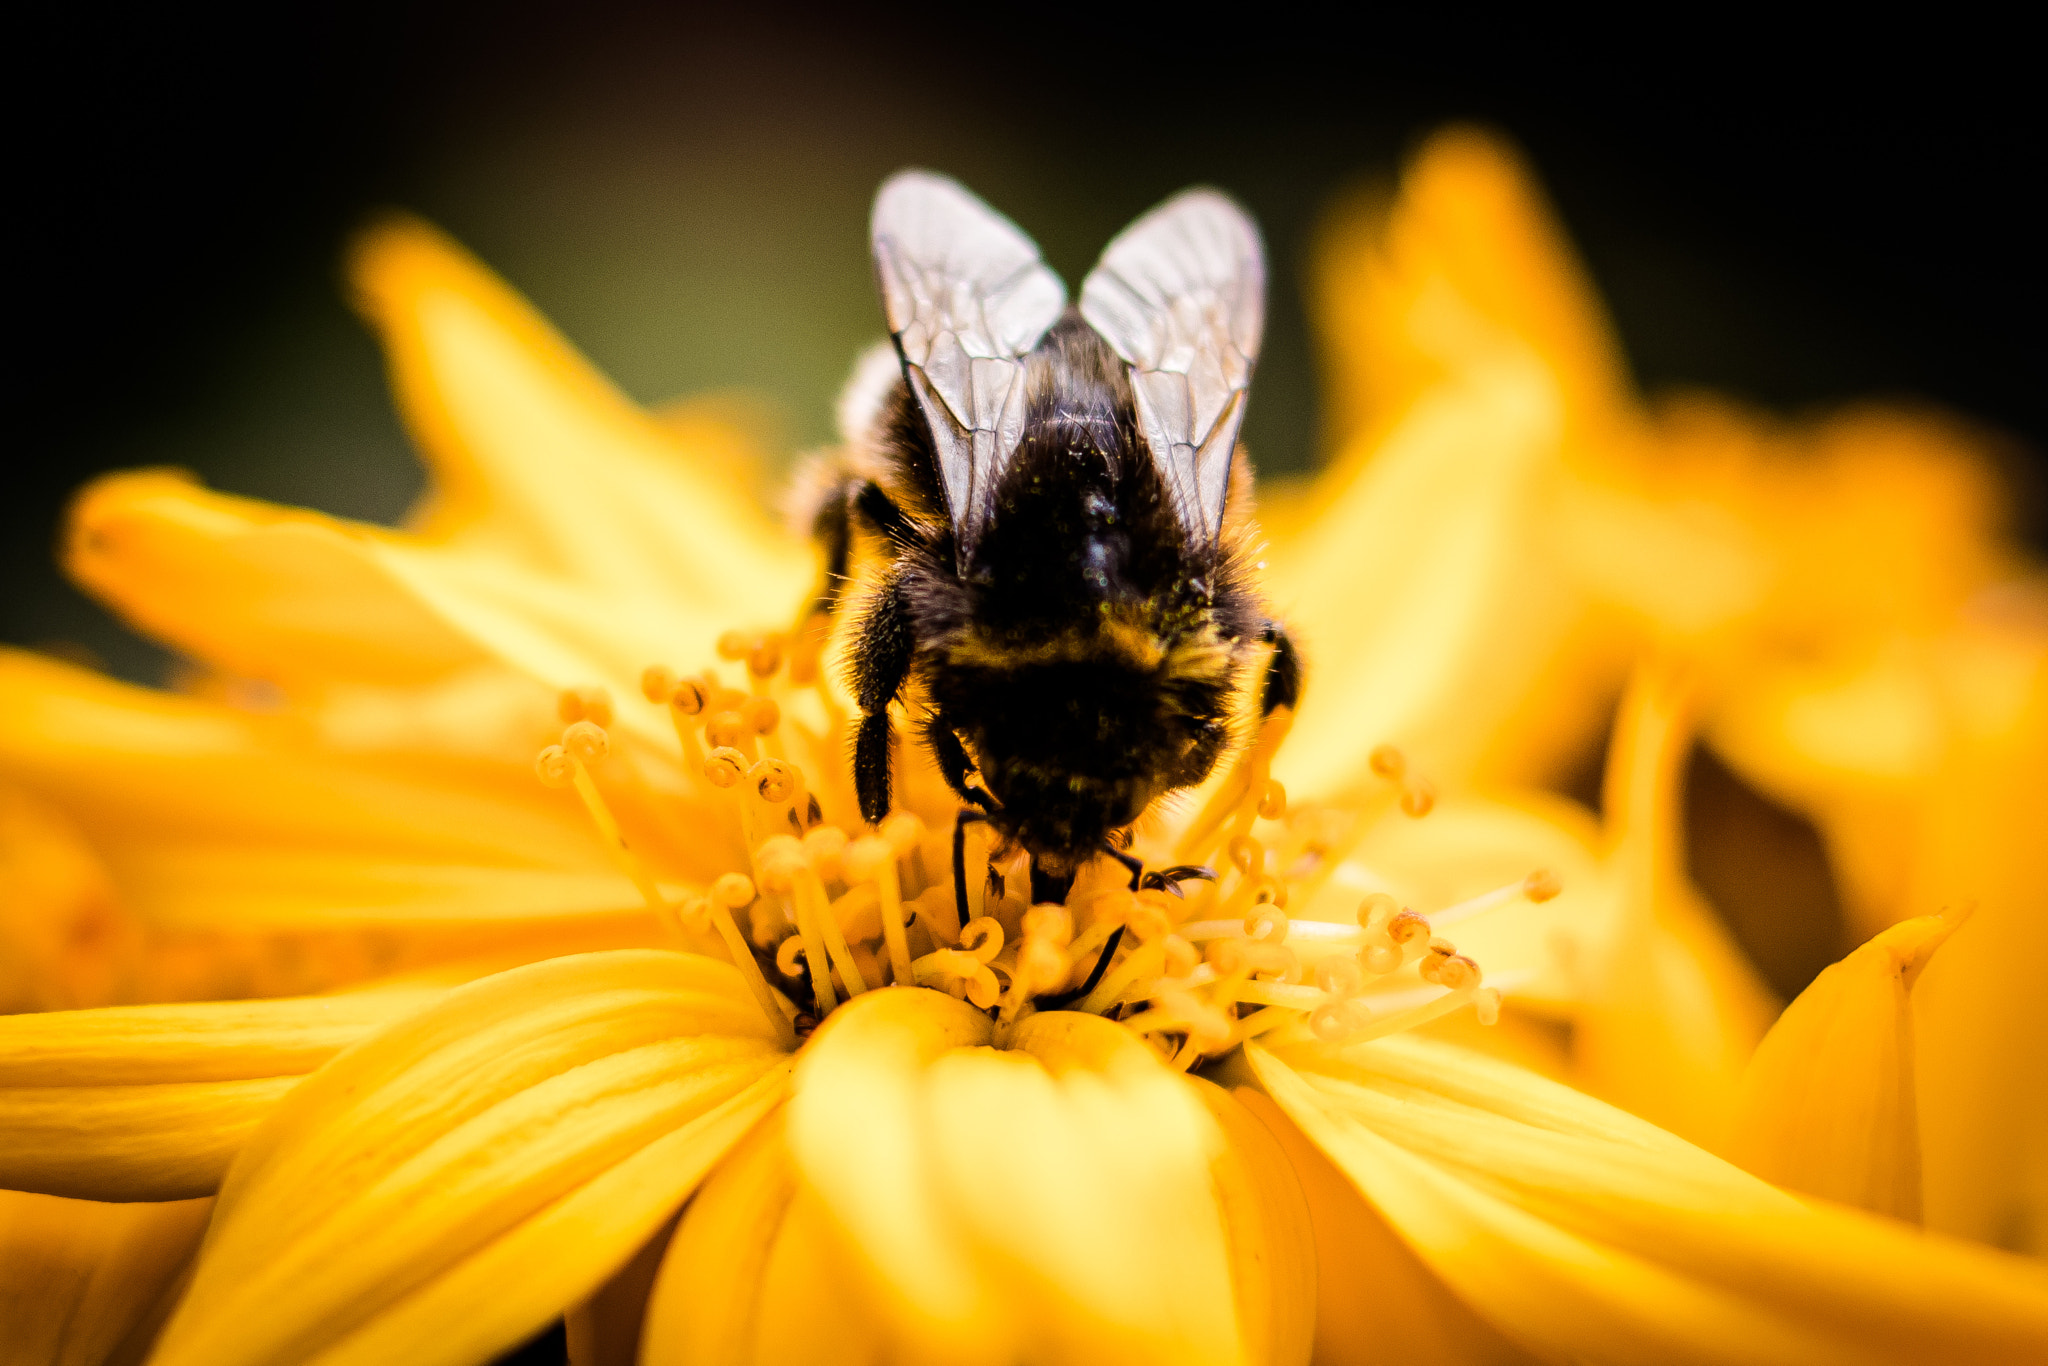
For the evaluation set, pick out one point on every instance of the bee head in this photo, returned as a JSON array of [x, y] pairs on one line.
[[1077, 737]]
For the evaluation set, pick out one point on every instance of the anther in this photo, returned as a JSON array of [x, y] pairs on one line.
[[1542, 885], [725, 767], [1539, 886], [826, 848], [689, 697], [1388, 762], [1418, 798], [765, 658], [584, 704], [775, 781], [1266, 925], [729, 730], [1408, 928], [657, 684], [737, 644], [761, 715]]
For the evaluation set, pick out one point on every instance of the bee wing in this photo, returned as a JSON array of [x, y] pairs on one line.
[[967, 296], [1181, 296]]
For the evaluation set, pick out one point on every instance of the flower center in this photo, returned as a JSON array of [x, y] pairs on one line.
[[1185, 939]]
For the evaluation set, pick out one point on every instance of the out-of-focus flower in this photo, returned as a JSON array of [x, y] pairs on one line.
[[1864, 644], [1001, 1155]]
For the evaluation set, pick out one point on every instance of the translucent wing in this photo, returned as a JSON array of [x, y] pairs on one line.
[[966, 297], [1181, 295]]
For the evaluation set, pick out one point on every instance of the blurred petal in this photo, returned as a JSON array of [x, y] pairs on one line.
[[65, 939], [83, 1283], [153, 1102], [1468, 259], [1424, 596], [1588, 1234], [1977, 1016], [533, 453], [252, 588], [1827, 1105], [1671, 1008], [529, 1131]]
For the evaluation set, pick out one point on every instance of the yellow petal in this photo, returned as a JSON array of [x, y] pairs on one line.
[[209, 816], [1585, 1233], [1052, 1202], [1671, 1009], [153, 1102], [391, 1191], [1827, 1104], [1375, 1300], [83, 1283], [1271, 1236]]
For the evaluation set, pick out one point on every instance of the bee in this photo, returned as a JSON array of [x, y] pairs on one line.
[[1037, 537]]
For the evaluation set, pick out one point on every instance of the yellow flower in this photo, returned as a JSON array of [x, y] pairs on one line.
[[633, 1123]]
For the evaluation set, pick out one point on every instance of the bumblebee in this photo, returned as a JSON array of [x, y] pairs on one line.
[[1037, 535]]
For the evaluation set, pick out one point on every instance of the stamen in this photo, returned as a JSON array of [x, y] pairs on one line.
[[725, 770], [780, 860], [583, 744], [871, 860], [1539, 886], [786, 866], [728, 894]]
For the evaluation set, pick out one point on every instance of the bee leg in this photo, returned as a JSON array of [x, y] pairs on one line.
[[1282, 684], [880, 662], [960, 824], [954, 763], [1170, 879], [1095, 974]]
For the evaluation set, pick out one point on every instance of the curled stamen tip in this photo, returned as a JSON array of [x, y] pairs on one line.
[[584, 704], [1418, 799], [1407, 927], [724, 767], [762, 714], [1377, 906], [1273, 801], [733, 890], [552, 766], [587, 741], [1267, 925], [657, 683], [1339, 976], [766, 656], [1542, 885], [1388, 761], [774, 779]]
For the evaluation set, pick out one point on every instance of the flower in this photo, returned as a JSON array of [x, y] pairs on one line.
[[614, 1040]]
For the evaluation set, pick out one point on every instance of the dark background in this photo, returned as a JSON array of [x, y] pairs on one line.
[[1796, 218]]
